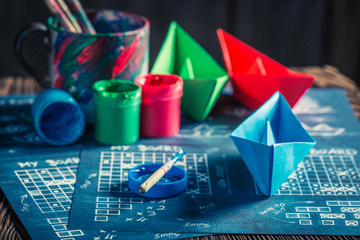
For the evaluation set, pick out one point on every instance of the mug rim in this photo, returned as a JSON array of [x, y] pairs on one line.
[[51, 20]]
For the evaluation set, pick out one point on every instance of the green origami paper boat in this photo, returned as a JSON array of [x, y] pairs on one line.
[[203, 77]]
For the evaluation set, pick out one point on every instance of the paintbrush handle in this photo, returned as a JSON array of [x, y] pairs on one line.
[[56, 10], [152, 180], [78, 10], [69, 15], [156, 176]]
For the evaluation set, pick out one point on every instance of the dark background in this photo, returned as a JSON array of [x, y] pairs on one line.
[[293, 32]]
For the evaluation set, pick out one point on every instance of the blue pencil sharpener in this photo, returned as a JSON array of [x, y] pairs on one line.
[[171, 184]]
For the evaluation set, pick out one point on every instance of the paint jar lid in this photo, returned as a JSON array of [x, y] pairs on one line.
[[173, 183], [160, 86], [117, 93]]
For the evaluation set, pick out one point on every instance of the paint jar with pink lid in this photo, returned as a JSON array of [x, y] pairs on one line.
[[160, 104]]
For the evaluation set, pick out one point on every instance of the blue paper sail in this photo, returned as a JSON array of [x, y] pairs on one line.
[[272, 142]]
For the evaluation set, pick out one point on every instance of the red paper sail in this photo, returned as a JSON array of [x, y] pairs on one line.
[[256, 77]]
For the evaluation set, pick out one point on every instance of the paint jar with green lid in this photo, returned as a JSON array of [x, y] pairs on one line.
[[117, 111]]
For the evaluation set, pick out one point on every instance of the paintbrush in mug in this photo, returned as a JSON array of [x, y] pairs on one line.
[[79, 12], [69, 15], [156, 176], [60, 15]]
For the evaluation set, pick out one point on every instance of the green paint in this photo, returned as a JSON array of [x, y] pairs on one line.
[[117, 111]]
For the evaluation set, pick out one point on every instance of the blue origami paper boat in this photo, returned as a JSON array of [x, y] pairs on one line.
[[272, 142]]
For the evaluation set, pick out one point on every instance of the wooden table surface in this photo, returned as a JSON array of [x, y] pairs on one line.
[[326, 77]]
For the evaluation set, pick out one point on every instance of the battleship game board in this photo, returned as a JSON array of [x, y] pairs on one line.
[[320, 197], [80, 192], [38, 179]]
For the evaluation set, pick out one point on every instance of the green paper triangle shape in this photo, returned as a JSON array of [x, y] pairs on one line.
[[187, 70], [196, 97], [165, 61], [183, 56]]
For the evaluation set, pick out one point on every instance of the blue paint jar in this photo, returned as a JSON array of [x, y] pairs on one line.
[[58, 118]]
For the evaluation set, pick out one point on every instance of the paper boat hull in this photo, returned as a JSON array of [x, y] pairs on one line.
[[277, 162], [286, 158], [254, 90], [256, 77], [199, 97]]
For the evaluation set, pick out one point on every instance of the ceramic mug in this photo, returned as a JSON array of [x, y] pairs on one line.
[[119, 50]]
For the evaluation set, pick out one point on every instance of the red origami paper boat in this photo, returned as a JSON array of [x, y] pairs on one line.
[[256, 77]]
